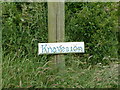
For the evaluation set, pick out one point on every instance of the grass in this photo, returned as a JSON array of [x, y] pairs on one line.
[[28, 73]]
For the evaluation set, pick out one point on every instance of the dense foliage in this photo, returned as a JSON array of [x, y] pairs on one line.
[[96, 24], [25, 25]]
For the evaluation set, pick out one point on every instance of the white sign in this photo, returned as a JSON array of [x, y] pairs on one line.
[[62, 47]]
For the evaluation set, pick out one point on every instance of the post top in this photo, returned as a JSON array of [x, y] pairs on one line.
[[55, 0]]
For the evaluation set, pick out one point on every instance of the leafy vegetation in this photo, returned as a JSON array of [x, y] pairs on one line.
[[95, 24], [25, 25]]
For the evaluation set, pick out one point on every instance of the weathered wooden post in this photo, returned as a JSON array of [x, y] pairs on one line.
[[56, 31]]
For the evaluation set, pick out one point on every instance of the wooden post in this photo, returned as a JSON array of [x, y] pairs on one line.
[[56, 31]]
